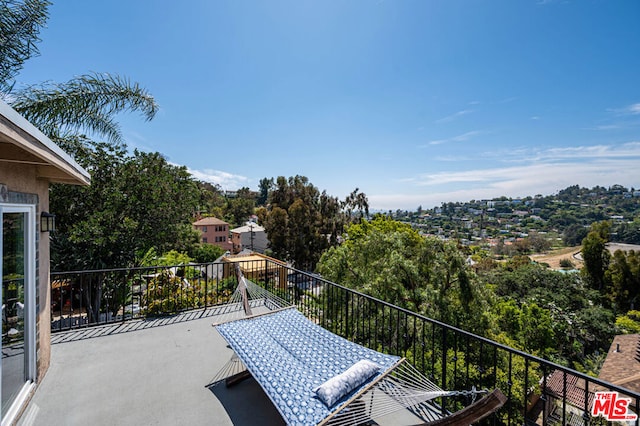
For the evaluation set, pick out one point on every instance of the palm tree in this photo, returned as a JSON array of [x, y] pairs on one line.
[[87, 103], [20, 24]]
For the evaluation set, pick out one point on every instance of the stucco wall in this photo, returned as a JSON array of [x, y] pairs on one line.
[[18, 177]]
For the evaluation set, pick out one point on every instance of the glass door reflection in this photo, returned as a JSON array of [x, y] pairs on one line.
[[14, 258]]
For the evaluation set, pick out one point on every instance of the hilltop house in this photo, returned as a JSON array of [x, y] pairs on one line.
[[29, 162], [214, 231]]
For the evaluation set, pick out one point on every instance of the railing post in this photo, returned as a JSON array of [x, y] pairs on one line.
[[586, 402], [510, 390], [444, 365], [526, 388], [346, 313], [564, 396]]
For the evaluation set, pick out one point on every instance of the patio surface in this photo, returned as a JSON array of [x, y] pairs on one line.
[[154, 372]]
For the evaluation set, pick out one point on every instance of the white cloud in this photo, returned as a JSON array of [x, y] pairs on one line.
[[634, 109], [529, 155], [607, 127], [454, 116], [460, 138], [227, 181], [136, 140], [545, 173], [451, 158]]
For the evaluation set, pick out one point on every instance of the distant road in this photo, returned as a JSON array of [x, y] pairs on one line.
[[613, 247], [622, 246]]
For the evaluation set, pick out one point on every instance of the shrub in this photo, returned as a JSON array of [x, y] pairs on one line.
[[566, 263]]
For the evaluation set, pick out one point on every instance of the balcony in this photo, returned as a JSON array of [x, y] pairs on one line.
[[135, 346], [145, 372]]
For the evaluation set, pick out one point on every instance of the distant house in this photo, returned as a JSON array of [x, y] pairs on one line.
[[559, 386], [251, 236], [620, 368], [29, 162], [214, 231]]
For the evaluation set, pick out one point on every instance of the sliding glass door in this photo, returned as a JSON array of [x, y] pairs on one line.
[[17, 269]]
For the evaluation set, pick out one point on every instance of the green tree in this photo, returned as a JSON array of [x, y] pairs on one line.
[[580, 325], [87, 103], [206, 253], [240, 208], [356, 205], [213, 201], [265, 186], [300, 221], [595, 254], [537, 332], [391, 261], [135, 202], [623, 278], [629, 232], [574, 234], [629, 323]]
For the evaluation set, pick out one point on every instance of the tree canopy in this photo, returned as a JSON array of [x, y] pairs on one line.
[[135, 202], [300, 220], [595, 254], [391, 261]]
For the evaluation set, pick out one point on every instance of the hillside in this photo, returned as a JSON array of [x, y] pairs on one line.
[[554, 257], [562, 219]]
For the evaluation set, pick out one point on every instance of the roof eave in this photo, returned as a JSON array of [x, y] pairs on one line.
[[52, 162]]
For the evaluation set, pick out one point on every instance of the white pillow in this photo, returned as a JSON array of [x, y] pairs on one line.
[[334, 389]]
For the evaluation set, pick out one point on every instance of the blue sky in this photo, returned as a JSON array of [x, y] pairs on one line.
[[414, 102]]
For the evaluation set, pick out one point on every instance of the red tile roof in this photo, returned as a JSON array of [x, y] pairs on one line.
[[207, 221], [575, 388]]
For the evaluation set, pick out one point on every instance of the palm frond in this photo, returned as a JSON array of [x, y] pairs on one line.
[[20, 23], [86, 103]]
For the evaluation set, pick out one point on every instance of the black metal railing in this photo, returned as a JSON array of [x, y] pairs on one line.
[[538, 391]]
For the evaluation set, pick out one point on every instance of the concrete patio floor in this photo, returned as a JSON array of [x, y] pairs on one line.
[[154, 372]]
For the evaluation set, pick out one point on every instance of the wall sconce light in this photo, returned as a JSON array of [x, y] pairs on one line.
[[47, 222]]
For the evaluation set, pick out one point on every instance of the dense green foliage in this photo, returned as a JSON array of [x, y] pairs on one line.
[[301, 221], [595, 255], [235, 210], [522, 304], [391, 261], [549, 313], [135, 202]]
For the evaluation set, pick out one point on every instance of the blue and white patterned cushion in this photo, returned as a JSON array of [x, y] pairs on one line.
[[290, 356], [337, 387]]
